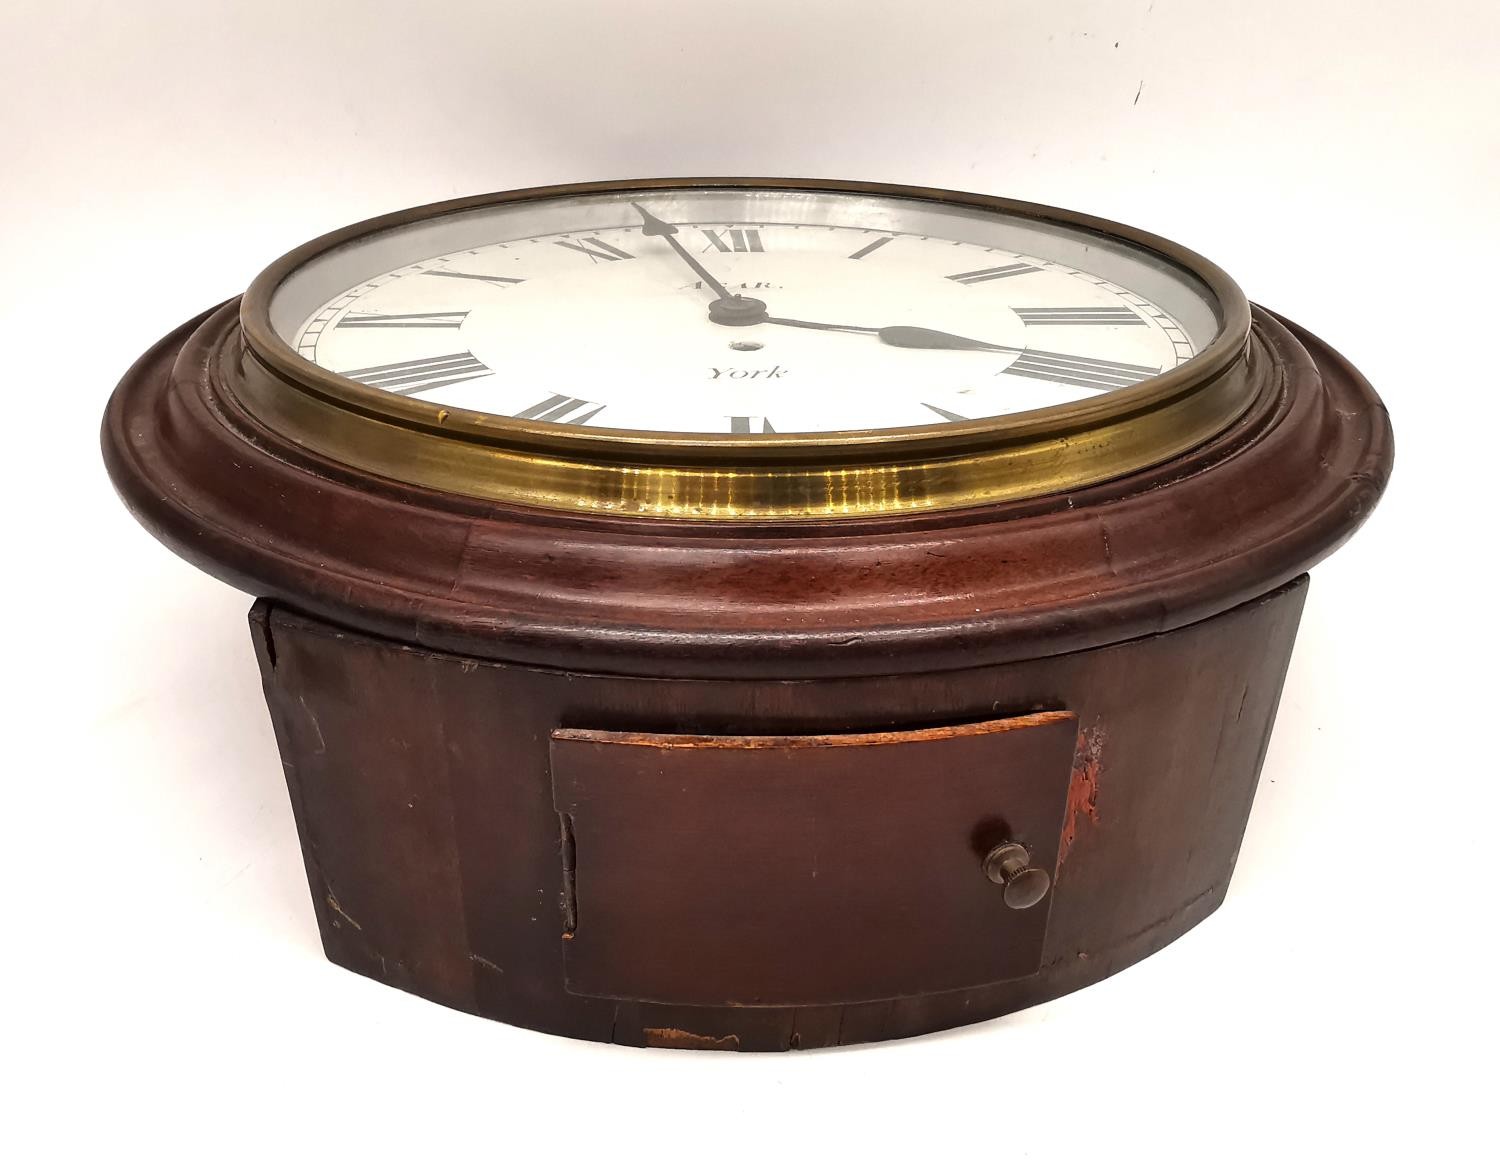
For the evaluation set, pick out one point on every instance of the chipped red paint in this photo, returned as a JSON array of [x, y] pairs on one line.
[[1083, 788]]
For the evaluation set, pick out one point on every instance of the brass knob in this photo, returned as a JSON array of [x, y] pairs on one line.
[[1009, 865]]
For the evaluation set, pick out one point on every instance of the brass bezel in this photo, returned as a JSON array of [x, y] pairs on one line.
[[784, 477]]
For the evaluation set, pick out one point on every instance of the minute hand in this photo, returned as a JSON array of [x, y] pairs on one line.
[[654, 226]]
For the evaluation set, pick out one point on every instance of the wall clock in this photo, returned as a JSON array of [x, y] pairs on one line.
[[755, 613]]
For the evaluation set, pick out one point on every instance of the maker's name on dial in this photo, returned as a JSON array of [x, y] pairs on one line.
[[774, 372]]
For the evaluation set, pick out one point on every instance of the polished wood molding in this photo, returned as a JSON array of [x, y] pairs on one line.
[[1164, 547]]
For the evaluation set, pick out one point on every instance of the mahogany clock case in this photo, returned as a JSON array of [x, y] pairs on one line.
[[733, 783]]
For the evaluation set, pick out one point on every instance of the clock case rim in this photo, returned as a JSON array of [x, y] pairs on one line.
[[738, 599], [785, 476]]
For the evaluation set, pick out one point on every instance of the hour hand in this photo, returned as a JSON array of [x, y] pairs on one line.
[[918, 338], [908, 337]]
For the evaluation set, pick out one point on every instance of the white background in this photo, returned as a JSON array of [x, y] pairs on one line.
[[165, 1000]]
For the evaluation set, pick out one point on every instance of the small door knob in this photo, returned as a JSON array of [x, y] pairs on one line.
[[1009, 865]]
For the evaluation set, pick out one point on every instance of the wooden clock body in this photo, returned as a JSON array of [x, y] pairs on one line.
[[732, 784]]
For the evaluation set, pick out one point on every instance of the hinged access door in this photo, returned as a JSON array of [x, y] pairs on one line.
[[804, 870]]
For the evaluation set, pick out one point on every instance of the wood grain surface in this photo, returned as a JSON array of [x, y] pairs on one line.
[[423, 785], [797, 870], [1142, 554]]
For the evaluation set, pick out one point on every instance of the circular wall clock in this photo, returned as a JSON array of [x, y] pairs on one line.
[[755, 614]]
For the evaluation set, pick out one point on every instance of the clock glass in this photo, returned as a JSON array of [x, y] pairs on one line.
[[741, 311]]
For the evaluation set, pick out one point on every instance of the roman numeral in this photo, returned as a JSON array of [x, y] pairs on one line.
[[473, 276], [595, 249], [861, 254], [562, 410], [1078, 372], [950, 416], [740, 240], [419, 375], [746, 425], [975, 276], [1078, 315], [443, 321]]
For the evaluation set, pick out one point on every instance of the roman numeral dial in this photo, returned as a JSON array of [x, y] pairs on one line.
[[1077, 371], [448, 320], [561, 409], [860, 254], [734, 240], [748, 425], [459, 275], [596, 250], [975, 276], [763, 316], [1083, 315], [419, 375]]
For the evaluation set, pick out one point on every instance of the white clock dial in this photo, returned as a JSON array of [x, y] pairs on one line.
[[743, 311]]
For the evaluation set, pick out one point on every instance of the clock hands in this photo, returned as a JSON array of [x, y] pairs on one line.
[[727, 309], [653, 226], [732, 309]]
